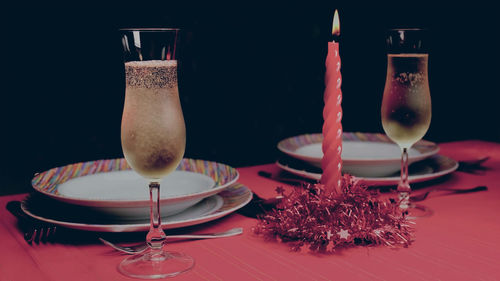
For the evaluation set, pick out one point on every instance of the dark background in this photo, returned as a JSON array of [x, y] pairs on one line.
[[251, 76]]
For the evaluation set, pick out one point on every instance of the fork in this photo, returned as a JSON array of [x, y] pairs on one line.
[[37, 231], [290, 181], [40, 234], [423, 196], [473, 166], [142, 246]]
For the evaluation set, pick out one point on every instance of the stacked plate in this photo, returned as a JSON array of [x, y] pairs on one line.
[[106, 195], [371, 157]]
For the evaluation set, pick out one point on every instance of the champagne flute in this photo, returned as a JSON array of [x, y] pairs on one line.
[[406, 104], [153, 136]]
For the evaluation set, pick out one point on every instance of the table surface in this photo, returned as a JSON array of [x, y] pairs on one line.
[[459, 242]]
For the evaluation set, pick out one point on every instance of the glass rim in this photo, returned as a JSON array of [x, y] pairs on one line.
[[149, 29], [408, 29]]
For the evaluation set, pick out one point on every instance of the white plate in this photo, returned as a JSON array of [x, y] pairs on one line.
[[428, 169], [76, 217], [363, 154], [113, 189]]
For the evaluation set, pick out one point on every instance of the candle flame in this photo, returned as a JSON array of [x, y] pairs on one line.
[[336, 24], [169, 54]]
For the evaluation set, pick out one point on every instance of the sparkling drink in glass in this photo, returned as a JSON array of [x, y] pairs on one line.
[[153, 136], [406, 104], [406, 109]]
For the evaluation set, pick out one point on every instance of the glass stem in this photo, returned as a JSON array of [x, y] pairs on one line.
[[404, 185], [156, 238]]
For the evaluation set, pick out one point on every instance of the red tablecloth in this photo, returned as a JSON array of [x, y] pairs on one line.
[[459, 242]]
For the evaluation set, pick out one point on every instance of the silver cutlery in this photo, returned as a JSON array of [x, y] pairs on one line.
[[34, 230], [40, 234], [423, 196], [140, 247], [286, 180], [473, 166]]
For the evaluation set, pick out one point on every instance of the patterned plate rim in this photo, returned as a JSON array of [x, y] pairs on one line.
[[48, 181]]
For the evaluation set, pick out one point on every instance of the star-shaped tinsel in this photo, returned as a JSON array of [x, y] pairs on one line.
[[343, 234], [326, 221]]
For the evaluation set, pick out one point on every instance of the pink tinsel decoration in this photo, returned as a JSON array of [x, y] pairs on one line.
[[327, 221]]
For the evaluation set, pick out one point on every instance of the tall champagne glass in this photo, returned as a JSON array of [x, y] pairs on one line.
[[406, 104], [153, 136]]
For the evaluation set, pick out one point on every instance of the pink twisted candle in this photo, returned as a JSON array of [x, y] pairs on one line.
[[332, 115]]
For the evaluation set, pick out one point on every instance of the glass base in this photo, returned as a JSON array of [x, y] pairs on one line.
[[153, 264], [419, 211]]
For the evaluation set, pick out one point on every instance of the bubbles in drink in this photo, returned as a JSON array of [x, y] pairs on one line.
[[409, 79], [153, 132], [406, 106]]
